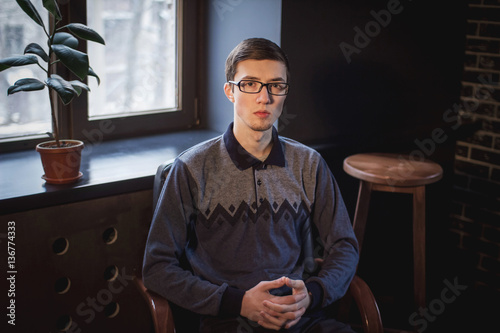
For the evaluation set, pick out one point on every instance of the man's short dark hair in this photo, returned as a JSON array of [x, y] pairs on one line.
[[255, 49]]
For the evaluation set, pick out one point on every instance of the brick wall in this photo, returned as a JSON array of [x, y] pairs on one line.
[[476, 217]]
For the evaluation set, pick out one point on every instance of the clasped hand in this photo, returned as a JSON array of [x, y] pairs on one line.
[[276, 312]]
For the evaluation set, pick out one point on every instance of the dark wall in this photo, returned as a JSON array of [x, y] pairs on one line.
[[391, 87]]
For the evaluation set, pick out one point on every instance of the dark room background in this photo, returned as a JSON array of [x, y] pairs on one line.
[[387, 76]]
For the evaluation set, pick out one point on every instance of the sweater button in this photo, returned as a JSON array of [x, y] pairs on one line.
[[261, 200], [259, 182]]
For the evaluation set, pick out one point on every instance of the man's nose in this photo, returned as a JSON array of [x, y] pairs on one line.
[[264, 96]]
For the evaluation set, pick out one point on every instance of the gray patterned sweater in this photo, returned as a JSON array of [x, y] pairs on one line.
[[239, 221]]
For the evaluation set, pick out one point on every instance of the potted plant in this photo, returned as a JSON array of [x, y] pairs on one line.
[[60, 157]]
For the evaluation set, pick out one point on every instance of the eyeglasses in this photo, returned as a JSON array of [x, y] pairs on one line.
[[254, 87]]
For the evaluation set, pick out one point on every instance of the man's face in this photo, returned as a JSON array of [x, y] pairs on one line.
[[258, 111]]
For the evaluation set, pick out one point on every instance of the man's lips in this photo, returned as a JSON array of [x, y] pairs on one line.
[[262, 114]]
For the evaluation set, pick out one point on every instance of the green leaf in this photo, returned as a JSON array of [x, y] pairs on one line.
[[66, 39], [79, 86], [63, 88], [92, 73], [85, 32], [29, 9], [25, 85], [17, 61], [51, 6], [34, 48], [75, 61]]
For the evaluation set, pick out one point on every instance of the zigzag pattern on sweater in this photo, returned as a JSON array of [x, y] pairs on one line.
[[247, 213]]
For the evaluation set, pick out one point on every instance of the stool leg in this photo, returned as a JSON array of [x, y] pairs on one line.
[[419, 245], [361, 213]]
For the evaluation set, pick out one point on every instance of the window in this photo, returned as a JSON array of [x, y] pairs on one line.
[[147, 71], [20, 114], [139, 76]]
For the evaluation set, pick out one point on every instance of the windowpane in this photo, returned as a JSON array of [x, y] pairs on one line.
[[138, 65], [23, 113]]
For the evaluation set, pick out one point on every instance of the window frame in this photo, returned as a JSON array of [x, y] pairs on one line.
[[74, 119]]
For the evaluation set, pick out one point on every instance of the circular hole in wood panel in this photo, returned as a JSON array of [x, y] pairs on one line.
[[60, 246], [111, 310], [64, 323], [111, 273], [110, 235], [62, 285]]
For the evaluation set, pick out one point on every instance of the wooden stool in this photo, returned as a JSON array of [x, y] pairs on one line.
[[401, 174]]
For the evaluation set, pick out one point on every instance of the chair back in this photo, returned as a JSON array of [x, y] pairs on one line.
[[159, 181]]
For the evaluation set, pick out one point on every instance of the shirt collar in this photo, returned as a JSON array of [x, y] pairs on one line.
[[244, 160]]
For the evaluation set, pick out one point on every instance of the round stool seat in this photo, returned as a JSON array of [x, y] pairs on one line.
[[392, 169]]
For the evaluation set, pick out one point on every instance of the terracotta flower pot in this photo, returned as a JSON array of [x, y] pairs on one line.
[[61, 164]]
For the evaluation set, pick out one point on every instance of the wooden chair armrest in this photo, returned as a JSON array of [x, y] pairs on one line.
[[163, 320], [367, 305]]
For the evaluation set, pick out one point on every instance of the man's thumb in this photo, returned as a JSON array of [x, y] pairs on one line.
[[276, 283]]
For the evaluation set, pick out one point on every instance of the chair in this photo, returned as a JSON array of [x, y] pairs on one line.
[[161, 310]]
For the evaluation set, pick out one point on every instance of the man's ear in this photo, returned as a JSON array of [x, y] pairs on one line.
[[228, 91]]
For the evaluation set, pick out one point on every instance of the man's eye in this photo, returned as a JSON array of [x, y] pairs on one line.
[[249, 84]]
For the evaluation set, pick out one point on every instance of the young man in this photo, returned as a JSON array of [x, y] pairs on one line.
[[232, 237]]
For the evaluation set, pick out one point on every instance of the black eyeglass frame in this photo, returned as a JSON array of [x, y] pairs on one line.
[[262, 85]]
